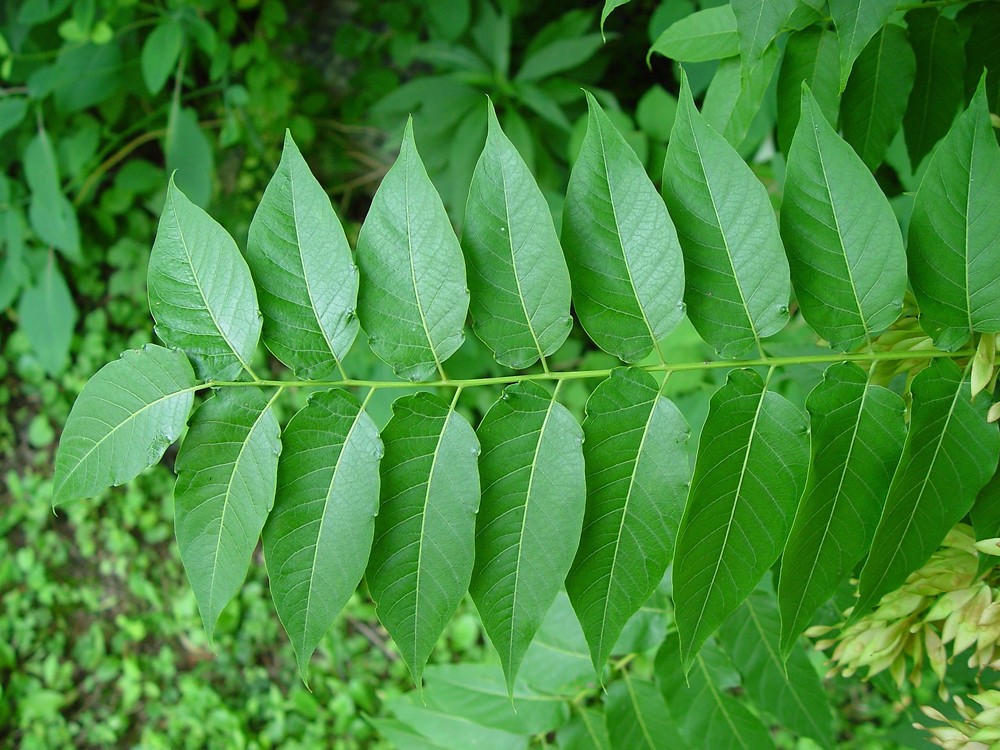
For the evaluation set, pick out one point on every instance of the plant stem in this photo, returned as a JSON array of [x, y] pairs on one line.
[[770, 362]]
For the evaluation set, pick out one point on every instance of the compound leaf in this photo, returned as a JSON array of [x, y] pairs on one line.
[[226, 470], [857, 21], [637, 477], [704, 35], [623, 253], [843, 241], [949, 455], [787, 688], [200, 290], [954, 236], [413, 300], [857, 437], [319, 534], [874, 101], [306, 277], [939, 84], [737, 274], [517, 273], [528, 528], [751, 467], [421, 560], [123, 421]]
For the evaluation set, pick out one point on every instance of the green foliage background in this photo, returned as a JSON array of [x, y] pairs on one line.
[[101, 644]]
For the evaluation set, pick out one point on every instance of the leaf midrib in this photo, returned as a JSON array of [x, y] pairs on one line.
[[305, 272], [621, 526], [836, 221], [520, 537], [722, 232], [776, 659], [423, 535], [732, 513], [923, 485], [201, 291], [513, 257], [618, 231], [718, 700], [322, 521], [228, 493], [836, 501], [129, 419]]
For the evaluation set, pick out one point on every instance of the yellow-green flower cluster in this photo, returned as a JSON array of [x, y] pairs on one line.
[[977, 729], [946, 603]]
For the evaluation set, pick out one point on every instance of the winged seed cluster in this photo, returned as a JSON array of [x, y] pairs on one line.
[[522, 505]]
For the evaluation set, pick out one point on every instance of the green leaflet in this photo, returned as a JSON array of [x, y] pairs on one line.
[[708, 34], [200, 291], [638, 718], [122, 422], [587, 730], [758, 23], [558, 661], [421, 560], [637, 478], [708, 715], [517, 273], [949, 455], [624, 258], [733, 99], [857, 438], [529, 521], [748, 477], [424, 728], [52, 216], [478, 692], [318, 536], [985, 514], [413, 298], [47, 316], [857, 21], [954, 237], [844, 246], [304, 271], [980, 24], [609, 7], [939, 82], [877, 92], [787, 689], [226, 470], [160, 52], [810, 57], [737, 275]]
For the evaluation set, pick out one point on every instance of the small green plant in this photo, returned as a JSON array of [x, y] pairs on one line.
[[894, 448]]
